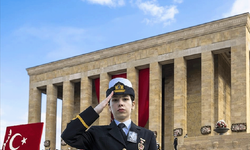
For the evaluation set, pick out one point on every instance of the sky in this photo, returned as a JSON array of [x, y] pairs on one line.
[[42, 31]]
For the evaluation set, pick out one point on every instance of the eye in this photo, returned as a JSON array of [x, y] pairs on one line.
[[125, 99], [114, 100]]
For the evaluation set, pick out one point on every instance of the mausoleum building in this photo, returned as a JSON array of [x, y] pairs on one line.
[[191, 78]]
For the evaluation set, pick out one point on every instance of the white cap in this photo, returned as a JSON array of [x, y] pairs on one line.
[[122, 80]]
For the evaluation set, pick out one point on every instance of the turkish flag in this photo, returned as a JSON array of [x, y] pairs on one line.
[[23, 137]]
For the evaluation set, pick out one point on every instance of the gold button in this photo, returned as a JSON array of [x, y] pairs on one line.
[[124, 149]]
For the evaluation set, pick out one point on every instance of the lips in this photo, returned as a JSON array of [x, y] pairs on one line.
[[121, 110]]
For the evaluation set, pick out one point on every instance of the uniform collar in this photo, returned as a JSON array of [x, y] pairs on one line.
[[127, 123], [115, 132]]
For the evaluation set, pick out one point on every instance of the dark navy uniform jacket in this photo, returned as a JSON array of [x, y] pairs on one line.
[[104, 137]]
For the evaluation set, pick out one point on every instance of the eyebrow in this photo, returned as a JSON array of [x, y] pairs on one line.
[[116, 96]]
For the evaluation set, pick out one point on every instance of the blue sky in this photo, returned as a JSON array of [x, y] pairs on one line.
[[42, 31]]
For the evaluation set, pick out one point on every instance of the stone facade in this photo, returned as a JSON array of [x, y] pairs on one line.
[[198, 75]]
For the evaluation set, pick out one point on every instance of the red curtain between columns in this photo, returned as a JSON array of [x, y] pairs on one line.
[[124, 75], [143, 97], [97, 88]]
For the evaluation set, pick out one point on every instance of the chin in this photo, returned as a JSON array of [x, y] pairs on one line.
[[121, 118]]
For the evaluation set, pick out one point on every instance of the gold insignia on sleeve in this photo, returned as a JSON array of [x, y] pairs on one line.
[[119, 88], [140, 145], [82, 121]]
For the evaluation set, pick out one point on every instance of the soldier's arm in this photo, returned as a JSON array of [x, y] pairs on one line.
[[75, 133]]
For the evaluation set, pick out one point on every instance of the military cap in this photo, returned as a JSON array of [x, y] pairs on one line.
[[121, 86]]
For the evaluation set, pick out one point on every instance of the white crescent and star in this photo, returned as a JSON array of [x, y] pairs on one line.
[[10, 132], [12, 139], [24, 140]]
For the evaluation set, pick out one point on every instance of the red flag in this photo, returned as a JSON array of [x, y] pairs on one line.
[[23, 137]]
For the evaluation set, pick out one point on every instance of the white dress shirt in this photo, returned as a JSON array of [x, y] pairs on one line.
[[127, 124]]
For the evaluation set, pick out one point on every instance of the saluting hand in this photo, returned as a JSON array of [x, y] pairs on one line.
[[103, 104]]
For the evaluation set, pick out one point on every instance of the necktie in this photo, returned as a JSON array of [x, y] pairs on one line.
[[122, 125]]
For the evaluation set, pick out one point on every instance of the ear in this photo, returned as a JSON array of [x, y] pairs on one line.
[[133, 105]]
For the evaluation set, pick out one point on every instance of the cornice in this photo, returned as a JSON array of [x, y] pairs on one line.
[[248, 23], [203, 29]]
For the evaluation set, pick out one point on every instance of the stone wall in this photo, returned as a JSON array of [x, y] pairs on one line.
[[193, 97], [217, 142], [222, 96], [168, 76], [224, 88]]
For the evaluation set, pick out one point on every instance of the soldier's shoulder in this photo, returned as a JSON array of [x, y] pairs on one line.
[[101, 127], [145, 130]]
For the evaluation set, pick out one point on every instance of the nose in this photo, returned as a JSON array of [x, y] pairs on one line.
[[121, 103]]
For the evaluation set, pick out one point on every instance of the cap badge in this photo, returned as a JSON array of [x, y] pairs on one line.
[[119, 88]]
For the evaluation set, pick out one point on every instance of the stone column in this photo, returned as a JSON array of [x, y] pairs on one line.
[[180, 95], [248, 101], [132, 76], [207, 90], [240, 85], [67, 106], [248, 83], [51, 107], [155, 99], [86, 93], [223, 92], [105, 116], [35, 97]]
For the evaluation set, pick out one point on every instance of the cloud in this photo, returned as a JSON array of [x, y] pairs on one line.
[[55, 42], [239, 6], [155, 13], [178, 1], [158, 14], [111, 3]]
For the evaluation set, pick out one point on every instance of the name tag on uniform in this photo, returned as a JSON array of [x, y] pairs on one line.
[[132, 137]]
